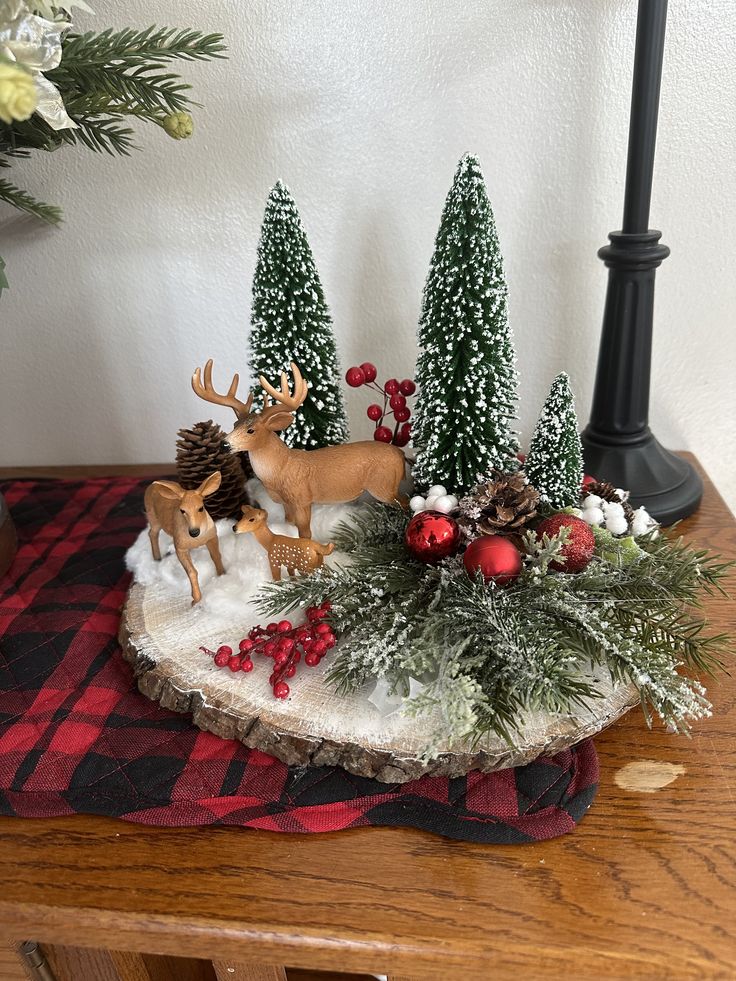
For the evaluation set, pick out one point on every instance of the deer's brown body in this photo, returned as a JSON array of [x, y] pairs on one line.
[[299, 478], [181, 513], [297, 554]]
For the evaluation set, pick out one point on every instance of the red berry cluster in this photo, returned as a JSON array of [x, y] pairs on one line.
[[395, 394], [285, 644]]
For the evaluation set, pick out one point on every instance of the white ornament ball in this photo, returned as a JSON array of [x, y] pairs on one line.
[[592, 501], [445, 503], [417, 504], [594, 516], [430, 502], [612, 509], [437, 491]]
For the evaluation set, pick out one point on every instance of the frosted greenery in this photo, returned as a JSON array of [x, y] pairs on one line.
[[555, 461], [290, 321], [466, 370], [488, 655]]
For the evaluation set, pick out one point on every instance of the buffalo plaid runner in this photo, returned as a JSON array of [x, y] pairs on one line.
[[76, 736]]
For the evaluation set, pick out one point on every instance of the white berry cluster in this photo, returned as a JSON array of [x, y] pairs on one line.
[[437, 499], [610, 515]]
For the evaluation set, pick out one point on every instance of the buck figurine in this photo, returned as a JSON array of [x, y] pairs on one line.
[[300, 478], [181, 514], [300, 554]]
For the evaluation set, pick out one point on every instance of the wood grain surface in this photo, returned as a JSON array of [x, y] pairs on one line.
[[160, 636], [645, 887]]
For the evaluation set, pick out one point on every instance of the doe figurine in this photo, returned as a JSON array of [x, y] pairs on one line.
[[181, 513]]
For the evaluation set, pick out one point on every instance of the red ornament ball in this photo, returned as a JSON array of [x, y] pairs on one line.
[[580, 546], [431, 536], [374, 412], [587, 480], [383, 434], [355, 377], [496, 558], [369, 370]]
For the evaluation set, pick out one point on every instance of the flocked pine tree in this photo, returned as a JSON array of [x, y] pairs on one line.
[[290, 321], [467, 366], [555, 461]]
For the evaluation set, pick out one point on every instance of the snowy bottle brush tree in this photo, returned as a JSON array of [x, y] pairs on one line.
[[290, 321], [466, 370], [555, 461]]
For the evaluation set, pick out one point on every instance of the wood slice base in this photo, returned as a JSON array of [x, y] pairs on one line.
[[161, 634]]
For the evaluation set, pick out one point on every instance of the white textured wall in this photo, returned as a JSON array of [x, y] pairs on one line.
[[364, 109]]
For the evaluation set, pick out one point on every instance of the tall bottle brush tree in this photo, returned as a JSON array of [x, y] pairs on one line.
[[290, 321], [466, 370], [555, 461]]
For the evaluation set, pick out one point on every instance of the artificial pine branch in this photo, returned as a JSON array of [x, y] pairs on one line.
[[491, 655], [23, 201], [129, 48]]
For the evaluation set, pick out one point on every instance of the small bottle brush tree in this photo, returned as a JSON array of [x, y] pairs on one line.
[[290, 321], [555, 461], [466, 370]]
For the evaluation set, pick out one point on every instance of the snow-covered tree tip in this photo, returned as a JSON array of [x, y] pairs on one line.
[[290, 321], [555, 461], [467, 365]]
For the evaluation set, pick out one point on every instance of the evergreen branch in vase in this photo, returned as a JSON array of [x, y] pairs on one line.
[[130, 48], [24, 201]]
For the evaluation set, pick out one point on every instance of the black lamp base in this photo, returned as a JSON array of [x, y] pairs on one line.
[[665, 484]]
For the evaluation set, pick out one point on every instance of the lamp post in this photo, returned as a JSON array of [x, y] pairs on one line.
[[618, 445]]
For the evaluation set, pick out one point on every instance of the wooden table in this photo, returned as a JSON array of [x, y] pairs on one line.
[[644, 888]]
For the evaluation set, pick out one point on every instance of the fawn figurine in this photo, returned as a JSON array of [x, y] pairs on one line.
[[181, 514], [300, 554], [300, 478]]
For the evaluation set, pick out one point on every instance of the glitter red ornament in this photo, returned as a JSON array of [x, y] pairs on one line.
[[495, 557], [431, 536], [580, 545]]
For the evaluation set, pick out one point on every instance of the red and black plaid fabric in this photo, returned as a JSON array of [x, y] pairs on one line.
[[76, 736]]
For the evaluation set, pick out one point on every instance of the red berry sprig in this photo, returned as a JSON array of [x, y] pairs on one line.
[[284, 643], [394, 394]]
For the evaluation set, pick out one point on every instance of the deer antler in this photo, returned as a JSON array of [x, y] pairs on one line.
[[208, 393], [284, 396]]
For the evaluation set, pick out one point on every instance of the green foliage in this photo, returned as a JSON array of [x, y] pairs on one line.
[[105, 79], [490, 655], [467, 366], [25, 202], [290, 321], [555, 461]]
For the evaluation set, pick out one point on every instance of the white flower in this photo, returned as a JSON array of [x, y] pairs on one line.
[[35, 43]]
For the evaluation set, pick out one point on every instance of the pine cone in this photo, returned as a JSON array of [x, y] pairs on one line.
[[608, 493], [504, 503], [199, 453]]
